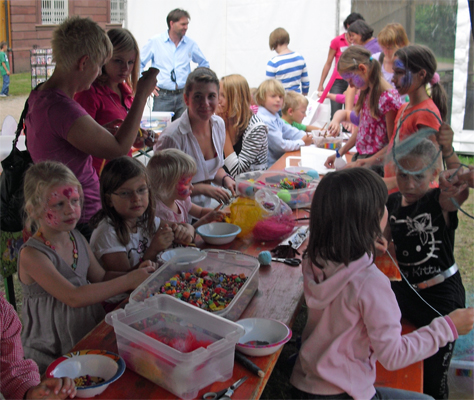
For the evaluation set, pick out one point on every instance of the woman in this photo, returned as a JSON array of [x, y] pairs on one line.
[[111, 95], [246, 144], [60, 129], [360, 33], [201, 134]]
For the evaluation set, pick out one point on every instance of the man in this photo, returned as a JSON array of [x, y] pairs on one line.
[[171, 52]]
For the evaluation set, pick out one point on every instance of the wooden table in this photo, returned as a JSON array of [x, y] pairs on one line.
[[279, 296]]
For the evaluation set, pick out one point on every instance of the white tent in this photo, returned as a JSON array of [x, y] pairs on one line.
[[233, 35]]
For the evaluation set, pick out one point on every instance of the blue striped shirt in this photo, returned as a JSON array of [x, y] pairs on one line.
[[290, 69]]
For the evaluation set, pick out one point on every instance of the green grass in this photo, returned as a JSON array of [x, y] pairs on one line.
[[20, 84]]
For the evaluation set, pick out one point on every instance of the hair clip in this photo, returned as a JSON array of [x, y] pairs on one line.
[[371, 58], [355, 62]]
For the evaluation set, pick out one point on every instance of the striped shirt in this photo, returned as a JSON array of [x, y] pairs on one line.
[[290, 69], [253, 155]]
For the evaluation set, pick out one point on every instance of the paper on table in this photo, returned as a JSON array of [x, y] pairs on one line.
[[313, 157]]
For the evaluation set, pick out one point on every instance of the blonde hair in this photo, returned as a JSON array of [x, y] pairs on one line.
[[123, 41], [39, 178], [268, 86], [77, 37], [350, 61], [166, 168], [393, 35], [278, 37], [293, 100], [237, 93]]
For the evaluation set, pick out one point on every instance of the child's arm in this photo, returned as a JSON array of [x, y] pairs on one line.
[[183, 233], [457, 193], [6, 69], [330, 96], [343, 150], [445, 137], [206, 215], [285, 138], [208, 190], [53, 388], [35, 266], [311, 128], [162, 239], [339, 117]]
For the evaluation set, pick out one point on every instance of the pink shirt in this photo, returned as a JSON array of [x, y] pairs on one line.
[[167, 214], [339, 44], [372, 135], [104, 105], [17, 375], [50, 117]]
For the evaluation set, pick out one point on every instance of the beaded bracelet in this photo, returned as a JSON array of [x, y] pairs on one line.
[[452, 154], [225, 176]]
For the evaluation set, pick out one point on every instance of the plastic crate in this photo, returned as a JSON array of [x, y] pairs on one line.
[[461, 377], [182, 374], [223, 261], [156, 120]]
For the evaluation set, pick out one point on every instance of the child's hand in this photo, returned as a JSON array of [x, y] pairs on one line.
[[330, 161], [349, 127], [53, 388], [182, 234], [212, 216], [136, 277], [217, 193], [334, 127], [445, 138], [150, 138], [148, 263], [307, 139], [463, 320], [163, 238]]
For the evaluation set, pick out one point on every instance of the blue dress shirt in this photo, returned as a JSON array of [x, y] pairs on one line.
[[165, 56]]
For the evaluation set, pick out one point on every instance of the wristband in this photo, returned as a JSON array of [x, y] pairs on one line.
[[452, 154], [223, 178]]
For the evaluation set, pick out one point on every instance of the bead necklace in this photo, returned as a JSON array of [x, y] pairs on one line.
[[74, 248]]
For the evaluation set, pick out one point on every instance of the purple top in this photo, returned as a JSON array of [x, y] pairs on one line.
[[50, 117], [373, 46]]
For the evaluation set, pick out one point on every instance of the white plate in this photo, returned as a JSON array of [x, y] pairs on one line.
[[299, 170]]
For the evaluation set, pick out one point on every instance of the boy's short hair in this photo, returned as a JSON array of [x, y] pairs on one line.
[[278, 37], [2, 44], [293, 100], [77, 37], [175, 15], [201, 75], [268, 86], [166, 168]]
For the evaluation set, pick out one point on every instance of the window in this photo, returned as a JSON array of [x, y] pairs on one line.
[[117, 11], [54, 11]]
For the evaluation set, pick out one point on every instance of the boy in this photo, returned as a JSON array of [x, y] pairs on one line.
[[288, 66], [281, 137], [4, 69], [294, 111]]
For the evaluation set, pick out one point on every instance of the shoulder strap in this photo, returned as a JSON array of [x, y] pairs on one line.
[[21, 123]]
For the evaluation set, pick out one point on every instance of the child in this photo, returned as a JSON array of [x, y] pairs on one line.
[[126, 231], [353, 317], [171, 172], [294, 111], [253, 103], [61, 280], [19, 378], [288, 67], [422, 225], [4, 69], [375, 110], [281, 136]]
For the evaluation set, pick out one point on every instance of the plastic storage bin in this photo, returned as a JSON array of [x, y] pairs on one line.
[[156, 120], [461, 377], [249, 182], [183, 374], [224, 261]]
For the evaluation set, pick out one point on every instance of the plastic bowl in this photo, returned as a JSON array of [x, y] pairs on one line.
[[96, 363], [262, 336], [218, 232], [183, 255]]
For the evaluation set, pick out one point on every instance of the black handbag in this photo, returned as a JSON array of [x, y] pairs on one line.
[[11, 183]]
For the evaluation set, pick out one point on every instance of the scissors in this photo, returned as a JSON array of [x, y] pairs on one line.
[[293, 262], [225, 393]]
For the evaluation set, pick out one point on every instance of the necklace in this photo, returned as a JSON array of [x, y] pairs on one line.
[[75, 255]]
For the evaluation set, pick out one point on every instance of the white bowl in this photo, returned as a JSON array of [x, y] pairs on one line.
[[218, 232], [98, 363], [183, 255], [262, 336]]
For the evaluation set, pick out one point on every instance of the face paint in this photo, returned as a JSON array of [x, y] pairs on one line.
[[355, 79], [402, 77], [63, 204], [184, 186]]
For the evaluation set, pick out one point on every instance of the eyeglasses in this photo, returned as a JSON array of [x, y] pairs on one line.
[[173, 76], [128, 194]]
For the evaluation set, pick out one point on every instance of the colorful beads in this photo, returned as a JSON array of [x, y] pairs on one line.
[[87, 380], [207, 290]]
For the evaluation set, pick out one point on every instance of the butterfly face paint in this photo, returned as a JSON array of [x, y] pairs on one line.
[[354, 79], [184, 187], [63, 206], [402, 77]]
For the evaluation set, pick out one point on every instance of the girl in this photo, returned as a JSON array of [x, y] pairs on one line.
[[360, 33], [126, 231], [246, 143], [375, 109], [281, 137], [111, 95], [60, 129], [201, 134], [171, 172], [422, 225], [353, 317], [56, 265]]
